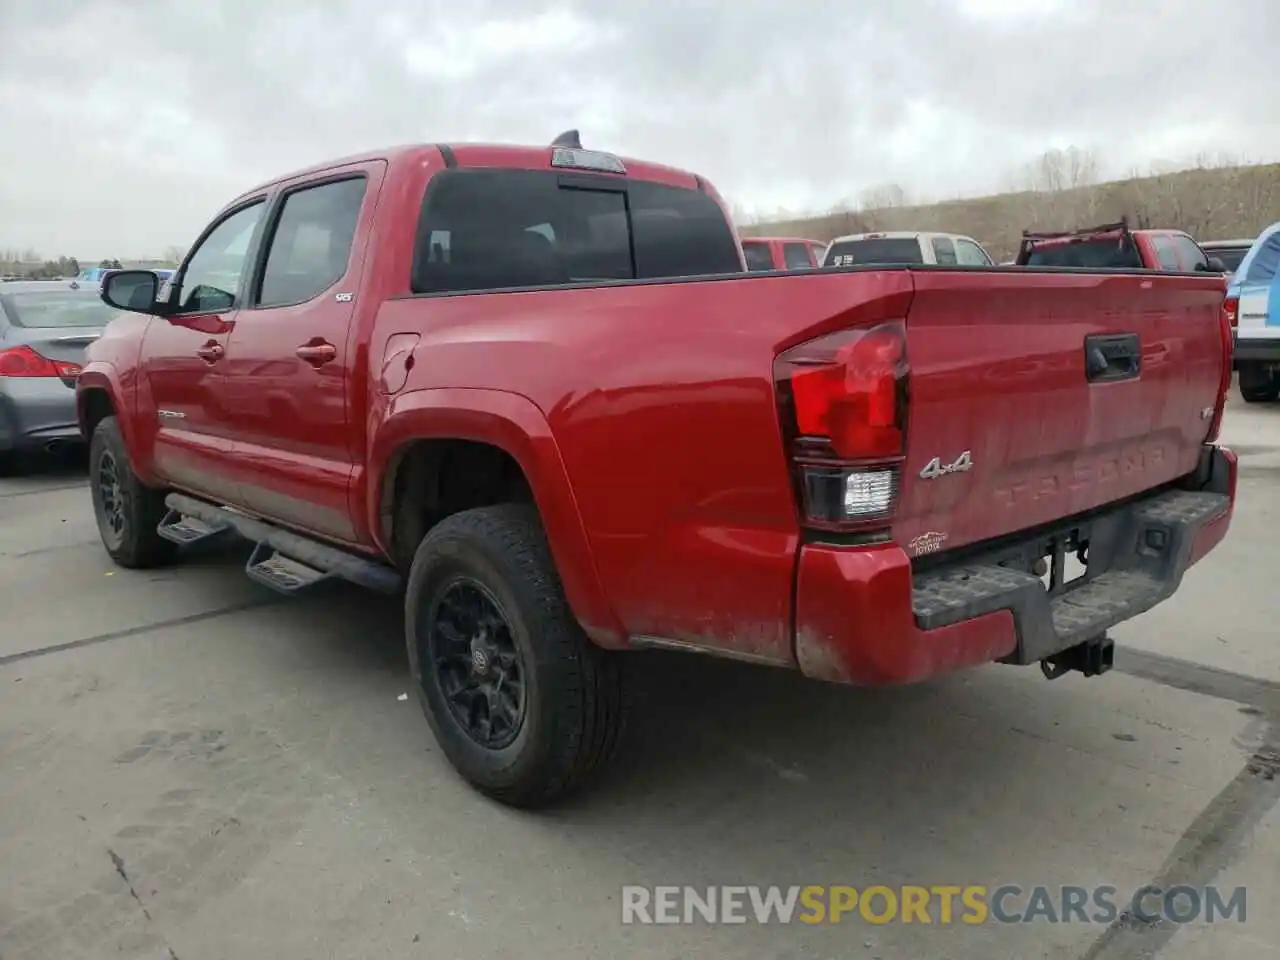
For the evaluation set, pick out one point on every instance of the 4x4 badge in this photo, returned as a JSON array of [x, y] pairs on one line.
[[935, 468]]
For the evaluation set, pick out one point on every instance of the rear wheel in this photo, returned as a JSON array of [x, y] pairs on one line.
[[1258, 384], [127, 511], [524, 706]]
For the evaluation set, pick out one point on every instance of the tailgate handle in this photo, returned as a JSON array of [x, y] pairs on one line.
[[1113, 356]]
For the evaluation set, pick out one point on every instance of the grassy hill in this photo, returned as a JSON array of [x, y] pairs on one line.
[[1219, 203]]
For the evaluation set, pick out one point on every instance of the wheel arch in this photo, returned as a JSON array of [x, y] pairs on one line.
[[505, 439]]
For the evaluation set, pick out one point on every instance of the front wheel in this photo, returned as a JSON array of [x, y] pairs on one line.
[[525, 707], [128, 512]]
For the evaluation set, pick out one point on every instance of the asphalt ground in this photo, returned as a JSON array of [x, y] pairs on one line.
[[192, 768]]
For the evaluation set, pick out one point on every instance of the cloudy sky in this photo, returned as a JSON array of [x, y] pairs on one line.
[[126, 124]]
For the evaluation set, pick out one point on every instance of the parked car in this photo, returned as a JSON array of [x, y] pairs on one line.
[[1253, 306], [1228, 253], [44, 329], [1115, 246], [905, 247], [540, 394], [781, 253]]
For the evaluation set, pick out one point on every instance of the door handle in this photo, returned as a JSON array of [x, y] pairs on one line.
[[211, 352], [1109, 357], [317, 354]]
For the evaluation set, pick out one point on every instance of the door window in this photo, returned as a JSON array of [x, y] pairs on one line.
[[759, 257], [944, 251], [311, 245], [211, 278], [1190, 254], [795, 256], [1165, 253], [969, 254]]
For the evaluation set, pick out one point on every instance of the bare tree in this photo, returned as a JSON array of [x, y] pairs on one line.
[[174, 254], [887, 196]]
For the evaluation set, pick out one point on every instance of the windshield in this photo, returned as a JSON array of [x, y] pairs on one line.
[[57, 309], [848, 253], [1105, 253]]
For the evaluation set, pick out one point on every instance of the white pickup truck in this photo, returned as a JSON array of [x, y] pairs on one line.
[[906, 247]]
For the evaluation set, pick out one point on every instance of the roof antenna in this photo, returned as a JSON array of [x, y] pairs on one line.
[[570, 139]]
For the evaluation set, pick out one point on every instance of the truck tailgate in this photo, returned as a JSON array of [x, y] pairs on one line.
[[1035, 396]]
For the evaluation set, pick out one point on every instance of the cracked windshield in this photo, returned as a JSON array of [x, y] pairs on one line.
[[567, 480]]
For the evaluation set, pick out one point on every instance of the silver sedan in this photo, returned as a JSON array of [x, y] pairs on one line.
[[44, 329]]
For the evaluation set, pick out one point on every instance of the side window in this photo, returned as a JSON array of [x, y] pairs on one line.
[[1189, 251], [969, 254], [795, 256], [944, 251], [311, 245], [759, 257], [1165, 253], [817, 250], [212, 275]]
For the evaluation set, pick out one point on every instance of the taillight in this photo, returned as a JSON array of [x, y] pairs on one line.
[[843, 400], [1226, 326], [24, 362]]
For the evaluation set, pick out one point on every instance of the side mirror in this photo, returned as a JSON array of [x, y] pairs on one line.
[[133, 290], [1216, 265]]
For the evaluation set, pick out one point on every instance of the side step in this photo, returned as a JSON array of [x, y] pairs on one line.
[[187, 530], [283, 560]]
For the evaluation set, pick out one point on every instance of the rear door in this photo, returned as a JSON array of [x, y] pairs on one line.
[[290, 358], [1012, 424]]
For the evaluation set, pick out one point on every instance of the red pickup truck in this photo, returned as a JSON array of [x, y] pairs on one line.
[[1115, 246], [782, 253], [536, 390]]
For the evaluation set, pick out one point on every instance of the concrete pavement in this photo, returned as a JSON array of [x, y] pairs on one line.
[[191, 768]]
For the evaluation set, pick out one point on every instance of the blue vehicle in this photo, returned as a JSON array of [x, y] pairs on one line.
[[1253, 301]]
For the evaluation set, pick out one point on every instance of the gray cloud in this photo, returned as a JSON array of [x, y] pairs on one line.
[[127, 123]]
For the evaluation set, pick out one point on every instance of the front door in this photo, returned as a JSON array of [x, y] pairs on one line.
[[183, 358], [289, 362]]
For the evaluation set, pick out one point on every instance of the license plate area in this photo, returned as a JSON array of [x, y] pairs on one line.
[[1059, 558]]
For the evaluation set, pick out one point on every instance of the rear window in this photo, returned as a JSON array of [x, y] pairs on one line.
[[495, 229], [759, 256], [1230, 256], [57, 309], [1110, 253], [850, 253]]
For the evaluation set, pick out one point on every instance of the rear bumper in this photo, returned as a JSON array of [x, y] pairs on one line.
[[36, 411], [864, 616], [1254, 350]]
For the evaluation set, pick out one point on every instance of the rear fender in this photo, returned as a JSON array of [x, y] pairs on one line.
[[514, 424]]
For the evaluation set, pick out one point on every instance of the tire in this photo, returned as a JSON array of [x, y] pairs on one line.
[[573, 695], [130, 538], [1258, 384]]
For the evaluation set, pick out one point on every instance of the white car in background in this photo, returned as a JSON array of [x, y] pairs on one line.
[[906, 247]]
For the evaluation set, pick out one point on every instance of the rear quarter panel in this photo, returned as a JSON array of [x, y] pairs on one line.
[[661, 406]]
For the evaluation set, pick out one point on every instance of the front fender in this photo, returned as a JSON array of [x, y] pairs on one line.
[[514, 424], [99, 375]]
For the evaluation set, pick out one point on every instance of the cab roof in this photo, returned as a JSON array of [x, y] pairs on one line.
[[511, 156]]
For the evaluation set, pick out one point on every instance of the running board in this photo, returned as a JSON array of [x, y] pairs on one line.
[[188, 530], [284, 560]]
